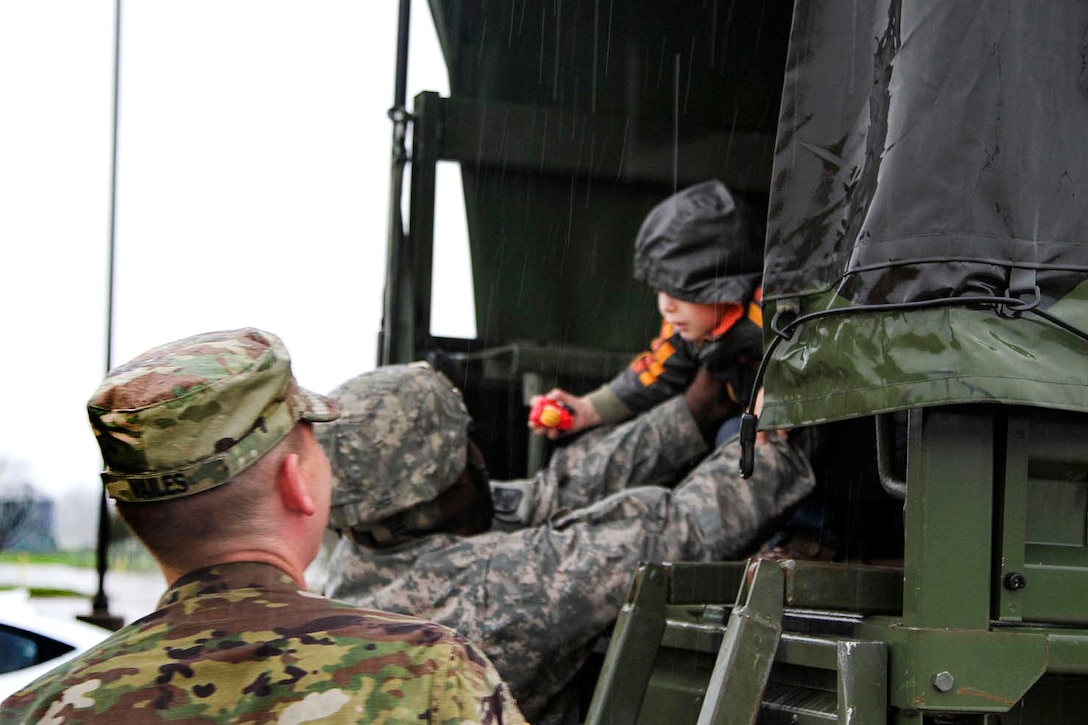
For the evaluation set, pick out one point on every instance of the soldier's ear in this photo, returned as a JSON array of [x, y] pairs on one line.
[[293, 491]]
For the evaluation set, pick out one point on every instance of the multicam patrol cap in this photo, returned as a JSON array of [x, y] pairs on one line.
[[400, 441], [700, 245], [193, 414]]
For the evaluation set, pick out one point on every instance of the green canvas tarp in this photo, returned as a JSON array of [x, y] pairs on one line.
[[931, 155]]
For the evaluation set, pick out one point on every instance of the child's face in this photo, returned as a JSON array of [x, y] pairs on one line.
[[693, 320]]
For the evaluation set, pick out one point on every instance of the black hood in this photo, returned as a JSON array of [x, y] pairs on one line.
[[700, 245]]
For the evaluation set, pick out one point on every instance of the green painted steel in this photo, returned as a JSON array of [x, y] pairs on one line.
[[862, 683], [948, 518], [637, 635], [963, 671], [1043, 527], [735, 689], [824, 585]]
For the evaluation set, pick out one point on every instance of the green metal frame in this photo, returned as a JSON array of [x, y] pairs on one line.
[[1044, 541], [744, 661], [684, 649], [952, 632]]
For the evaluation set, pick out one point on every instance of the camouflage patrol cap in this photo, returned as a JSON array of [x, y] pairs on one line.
[[401, 440], [192, 414]]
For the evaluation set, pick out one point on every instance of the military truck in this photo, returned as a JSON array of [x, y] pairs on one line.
[[923, 170]]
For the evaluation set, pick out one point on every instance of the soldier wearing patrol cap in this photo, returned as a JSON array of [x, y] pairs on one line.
[[405, 449], [531, 570], [211, 457]]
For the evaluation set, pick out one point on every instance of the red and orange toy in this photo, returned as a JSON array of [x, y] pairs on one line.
[[549, 413]]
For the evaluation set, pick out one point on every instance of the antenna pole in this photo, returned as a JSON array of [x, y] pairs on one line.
[[392, 314], [100, 607]]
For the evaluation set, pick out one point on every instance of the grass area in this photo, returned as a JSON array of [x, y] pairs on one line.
[[70, 558], [127, 558], [45, 592]]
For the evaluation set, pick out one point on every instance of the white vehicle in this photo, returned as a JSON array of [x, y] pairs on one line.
[[31, 644]]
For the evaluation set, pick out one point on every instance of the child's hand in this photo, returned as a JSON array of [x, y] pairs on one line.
[[582, 410]]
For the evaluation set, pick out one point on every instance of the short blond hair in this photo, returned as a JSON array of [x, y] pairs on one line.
[[177, 531]]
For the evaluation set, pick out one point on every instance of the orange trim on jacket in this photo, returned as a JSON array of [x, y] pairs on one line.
[[755, 308], [650, 365], [730, 316]]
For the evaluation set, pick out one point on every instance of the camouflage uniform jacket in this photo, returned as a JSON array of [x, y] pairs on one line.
[[243, 643], [536, 598]]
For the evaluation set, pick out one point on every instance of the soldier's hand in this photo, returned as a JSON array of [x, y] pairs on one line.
[[764, 435]]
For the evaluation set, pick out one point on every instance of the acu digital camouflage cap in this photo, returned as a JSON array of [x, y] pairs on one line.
[[192, 414], [401, 440]]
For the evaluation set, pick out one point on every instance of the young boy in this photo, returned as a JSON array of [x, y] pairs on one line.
[[700, 250]]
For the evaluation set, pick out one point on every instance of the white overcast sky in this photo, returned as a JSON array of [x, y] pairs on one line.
[[253, 187]]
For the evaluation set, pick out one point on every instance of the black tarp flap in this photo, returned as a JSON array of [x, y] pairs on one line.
[[928, 150]]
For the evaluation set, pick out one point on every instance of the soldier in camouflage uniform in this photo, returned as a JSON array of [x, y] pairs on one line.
[[236, 637], [535, 585]]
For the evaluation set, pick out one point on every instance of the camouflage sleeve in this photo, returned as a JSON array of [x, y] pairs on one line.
[[583, 562], [473, 691], [657, 448], [727, 513], [713, 513]]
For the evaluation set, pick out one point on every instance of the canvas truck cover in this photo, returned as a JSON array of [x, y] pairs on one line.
[[570, 121], [932, 155]]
